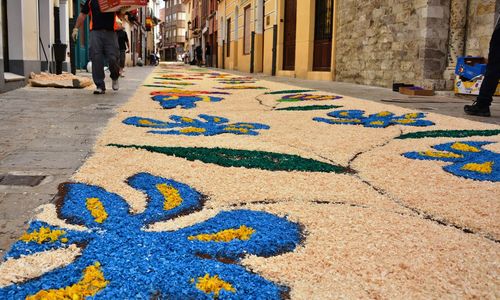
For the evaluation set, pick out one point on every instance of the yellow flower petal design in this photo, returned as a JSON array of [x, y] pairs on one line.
[[205, 98], [464, 147], [247, 125], [439, 154], [405, 121], [187, 120], [346, 120], [484, 168], [377, 123], [384, 114], [147, 122], [92, 282], [344, 114], [242, 130], [192, 129], [171, 195], [411, 116], [213, 284], [43, 235], [94, 205], [216, 120], [243, 233]]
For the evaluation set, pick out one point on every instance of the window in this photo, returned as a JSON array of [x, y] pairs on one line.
[[247, 34], [228, 37]]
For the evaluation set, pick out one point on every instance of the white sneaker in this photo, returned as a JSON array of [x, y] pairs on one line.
[[115, 85], [99, 91]]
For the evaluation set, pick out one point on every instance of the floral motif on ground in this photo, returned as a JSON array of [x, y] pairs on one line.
[[469, 159], [308, 97], [176, 83], [309, 107], [208, 125], [185, 99], [120, 260], [263, 160], [242, 87], [448, 133], [236, 80], [176, 77], [379, 120], [288, 92]]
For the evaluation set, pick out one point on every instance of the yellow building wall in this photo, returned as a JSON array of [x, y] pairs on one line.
[[263, 43], [30, 32], [242, 58], [269, 21]]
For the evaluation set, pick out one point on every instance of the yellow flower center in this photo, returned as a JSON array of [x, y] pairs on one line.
[[146, 122], [213, 284], [171, 195], [192, 129], [44, 234], [440, 154], [464, 147], [92, 282], [484, 168], [94, 205], [243, 233], [230, 128]]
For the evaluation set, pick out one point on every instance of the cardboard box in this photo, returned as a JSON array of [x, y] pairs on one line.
[[116, 5], [415, 91], [470, 87]]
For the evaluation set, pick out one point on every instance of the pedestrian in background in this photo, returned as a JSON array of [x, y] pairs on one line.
[[208, 55], [199, 55], [103, 43], [124, 45], [481, 107]]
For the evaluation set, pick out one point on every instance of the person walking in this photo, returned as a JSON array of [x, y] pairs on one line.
[[481, 107], [208, 56], [124, 45], [199, 55], [103, 43]]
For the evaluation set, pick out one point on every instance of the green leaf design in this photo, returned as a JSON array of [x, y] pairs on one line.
[[244, 158], [448, 133], [309, 107], [289, 92]]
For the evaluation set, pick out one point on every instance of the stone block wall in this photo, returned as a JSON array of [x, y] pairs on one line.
[[480, 25], [415, 41], [379, 41]]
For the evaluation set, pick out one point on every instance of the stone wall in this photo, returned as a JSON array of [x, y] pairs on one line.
[[480, 25], [384, 41], [377, 42]]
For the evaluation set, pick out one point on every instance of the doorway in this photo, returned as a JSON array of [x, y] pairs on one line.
[[323, 32], [5, 37], [290, 29]]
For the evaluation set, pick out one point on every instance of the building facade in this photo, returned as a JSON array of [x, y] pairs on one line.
[[175, 26], [372, 42], [30, 28]]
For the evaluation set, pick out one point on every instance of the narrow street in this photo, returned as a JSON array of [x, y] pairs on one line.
[[197, 182]]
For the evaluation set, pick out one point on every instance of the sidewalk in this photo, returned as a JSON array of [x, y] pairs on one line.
[[50, 132], [446, 105]]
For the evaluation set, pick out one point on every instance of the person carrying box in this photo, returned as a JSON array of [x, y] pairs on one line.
[[103, 43], [481, 107]]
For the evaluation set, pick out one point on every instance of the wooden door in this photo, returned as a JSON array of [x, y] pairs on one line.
[[290, 26], [323, 33]]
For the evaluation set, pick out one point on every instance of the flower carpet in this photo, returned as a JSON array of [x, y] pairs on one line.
[[268, 191]]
